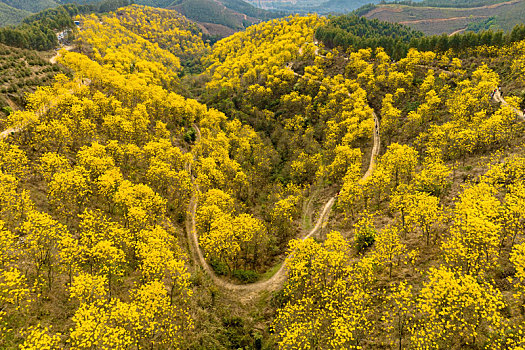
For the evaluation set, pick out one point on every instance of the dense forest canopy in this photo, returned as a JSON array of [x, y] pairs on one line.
[[38, 31], [351, 32], [360, 33], [263, 192]]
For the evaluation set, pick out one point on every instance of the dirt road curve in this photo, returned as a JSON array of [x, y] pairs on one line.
[[438, 20], [250, 291], [499, 98], [4, 134], [458, 31], [53, 59]]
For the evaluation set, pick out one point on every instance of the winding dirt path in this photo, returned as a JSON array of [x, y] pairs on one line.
[[458, 31], [53, 59], [498, 98], [39, 113], [271, 284], [248, 292], [439, 20], [375, 148]]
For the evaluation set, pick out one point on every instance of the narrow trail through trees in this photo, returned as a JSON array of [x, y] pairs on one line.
[[497, 97], [249, 291], [4, 134], [53, 59]]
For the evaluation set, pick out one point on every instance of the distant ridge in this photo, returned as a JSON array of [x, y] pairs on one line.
[[221, 18], [10, 15], [431, 19], [31, 5]]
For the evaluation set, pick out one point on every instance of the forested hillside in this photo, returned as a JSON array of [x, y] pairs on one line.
[[22, 72], [13, 12], [38, 31], [351, 33], [343, 6], [312, 6], [305, 198], [10, 15], [222, 18], [450, 3], [168, 29], [438, 17], [31, 5]]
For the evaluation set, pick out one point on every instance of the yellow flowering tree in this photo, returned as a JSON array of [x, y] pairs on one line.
[[455, 309], [329, 300]]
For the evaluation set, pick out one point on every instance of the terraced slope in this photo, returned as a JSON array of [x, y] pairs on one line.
[[437, 20]]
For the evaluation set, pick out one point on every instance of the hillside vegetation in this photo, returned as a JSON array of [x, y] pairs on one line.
[[13, 12], [170, 30], [10, 15], [354, 33], [449, 19], [37, 32], [351, 33], [134, 217], [450, 3], [312, 6], [343, 6], [222, 18], [22, 72], [31, 5]]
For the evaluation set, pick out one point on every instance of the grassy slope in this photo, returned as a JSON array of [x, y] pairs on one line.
[[10, 15], [458, 3], [343, 6], [508, 19]]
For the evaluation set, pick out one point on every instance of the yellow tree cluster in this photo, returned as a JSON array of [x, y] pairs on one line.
[[169, 29], [397, 166], [474, 125], [456, 309], [108, 148], [115, 46], [475, 236], [261, 52]]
